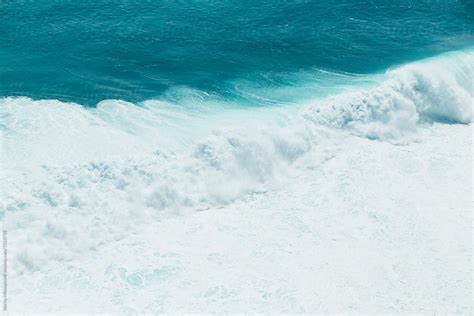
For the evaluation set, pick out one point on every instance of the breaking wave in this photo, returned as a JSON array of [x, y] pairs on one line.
[[133, 164]]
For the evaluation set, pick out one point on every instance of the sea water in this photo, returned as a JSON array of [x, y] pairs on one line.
[[237, 156]]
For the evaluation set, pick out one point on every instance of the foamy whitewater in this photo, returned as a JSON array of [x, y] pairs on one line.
[[257, 157], [358, 201]]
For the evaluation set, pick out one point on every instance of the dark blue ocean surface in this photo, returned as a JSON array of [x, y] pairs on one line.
[[88, 51]]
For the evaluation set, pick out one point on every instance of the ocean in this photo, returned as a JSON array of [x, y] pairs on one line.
[[237, 156]]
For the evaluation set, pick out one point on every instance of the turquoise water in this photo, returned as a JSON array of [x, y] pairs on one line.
[[88, 51]]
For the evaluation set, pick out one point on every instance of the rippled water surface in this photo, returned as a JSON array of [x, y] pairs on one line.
[[88, 51]]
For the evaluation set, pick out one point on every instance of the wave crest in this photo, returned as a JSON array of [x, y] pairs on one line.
[[439, 89]]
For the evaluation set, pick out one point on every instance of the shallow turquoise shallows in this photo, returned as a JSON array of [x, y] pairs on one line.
[[88, 51]]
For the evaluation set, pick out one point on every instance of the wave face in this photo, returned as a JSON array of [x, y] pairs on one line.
[[88, 52], [439, 89]]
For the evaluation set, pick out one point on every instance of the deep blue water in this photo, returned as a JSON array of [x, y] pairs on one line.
[[88, 51]]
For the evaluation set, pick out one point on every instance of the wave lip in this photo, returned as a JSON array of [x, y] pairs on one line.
[[439, 89]]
